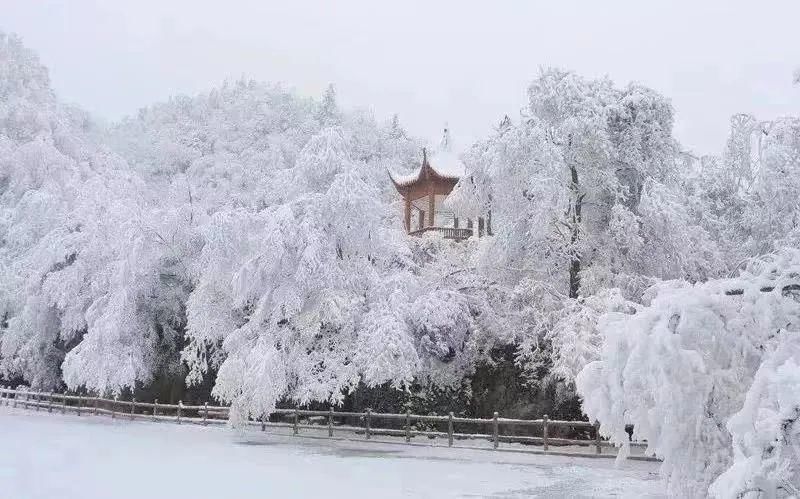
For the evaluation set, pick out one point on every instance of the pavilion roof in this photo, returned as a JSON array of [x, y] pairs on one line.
[[443, 164]]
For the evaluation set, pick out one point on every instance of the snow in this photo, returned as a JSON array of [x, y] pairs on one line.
[[95, 457], [447, 164]]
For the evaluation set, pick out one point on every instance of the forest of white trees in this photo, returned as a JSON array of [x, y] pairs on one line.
[[249, 239]]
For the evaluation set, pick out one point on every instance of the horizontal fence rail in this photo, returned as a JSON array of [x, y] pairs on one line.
[[330, 419]]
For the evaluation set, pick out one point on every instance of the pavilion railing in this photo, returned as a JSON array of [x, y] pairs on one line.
[[333, 421], [447, 232]]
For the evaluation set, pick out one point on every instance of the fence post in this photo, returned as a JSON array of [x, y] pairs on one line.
[[450, 429], [544, 432], [263, 423], [296, 428], [114, 407], [80, 402], [330, 422], [155, 409], [598, 449], [37, 397], [368, 425], [495, 430], [205, 413], [408, 426], [27, 395], [96, 402], [63, 403], [15, 399], [180, 406], [133, 407]]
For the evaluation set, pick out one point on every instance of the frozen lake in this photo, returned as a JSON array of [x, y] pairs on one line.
[[50, 455]]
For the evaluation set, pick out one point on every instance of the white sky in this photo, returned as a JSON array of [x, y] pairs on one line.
[[462, 62]]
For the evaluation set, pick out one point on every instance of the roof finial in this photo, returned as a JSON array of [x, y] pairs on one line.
[[447, 143], [424, 156]]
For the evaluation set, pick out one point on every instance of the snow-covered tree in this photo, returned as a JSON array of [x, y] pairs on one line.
[[306, 299], [328, 112], [704, 373], [47, 163], [585, 195], [114, 272]]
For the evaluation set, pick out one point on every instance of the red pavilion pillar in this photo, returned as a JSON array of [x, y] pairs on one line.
[[431, 204], [407, 213]]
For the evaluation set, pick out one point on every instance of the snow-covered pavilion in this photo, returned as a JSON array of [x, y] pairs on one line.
[[424, 191]]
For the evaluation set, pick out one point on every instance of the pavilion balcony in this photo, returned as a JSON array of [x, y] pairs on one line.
[[456, 233]]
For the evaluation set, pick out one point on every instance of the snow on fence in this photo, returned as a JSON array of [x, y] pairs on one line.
[[210, 414]]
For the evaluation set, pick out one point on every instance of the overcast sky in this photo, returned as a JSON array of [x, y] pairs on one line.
[[462, 62]]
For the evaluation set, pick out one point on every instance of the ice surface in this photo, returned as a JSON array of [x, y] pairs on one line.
[[50, 455]]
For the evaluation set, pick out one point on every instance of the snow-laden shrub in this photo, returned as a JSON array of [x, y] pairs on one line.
[[766, 431], [706, 374]]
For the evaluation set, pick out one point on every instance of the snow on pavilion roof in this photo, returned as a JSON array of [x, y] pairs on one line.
[[445, 164]]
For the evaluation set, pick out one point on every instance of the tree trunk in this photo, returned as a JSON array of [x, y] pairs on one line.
[[575, 209]]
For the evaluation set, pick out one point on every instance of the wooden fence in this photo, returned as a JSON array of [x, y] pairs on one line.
[[301, 419]]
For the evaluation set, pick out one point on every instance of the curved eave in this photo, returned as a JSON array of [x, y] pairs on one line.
[[401, 181]]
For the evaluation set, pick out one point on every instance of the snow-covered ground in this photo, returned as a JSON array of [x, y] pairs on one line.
[[50, 455]]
